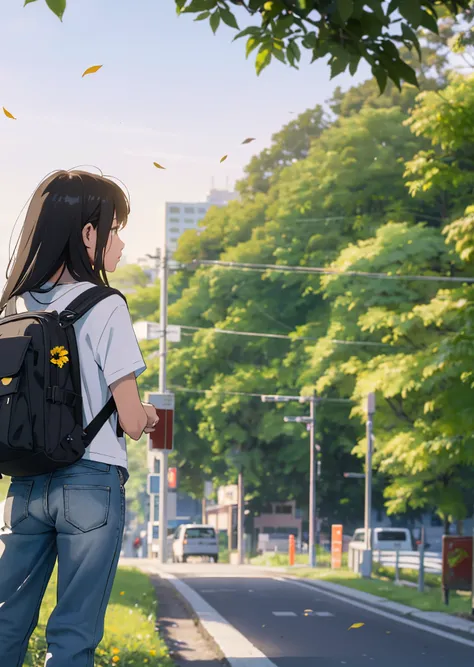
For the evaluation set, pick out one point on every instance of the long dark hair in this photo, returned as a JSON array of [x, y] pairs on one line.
[[51, 237]]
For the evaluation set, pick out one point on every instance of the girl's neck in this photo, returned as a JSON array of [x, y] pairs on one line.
[[65, 279]]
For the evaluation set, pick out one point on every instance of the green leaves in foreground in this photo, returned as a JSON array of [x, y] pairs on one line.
[[58, 7], [350, 31]]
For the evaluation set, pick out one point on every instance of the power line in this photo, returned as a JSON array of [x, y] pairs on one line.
[[318, 270], [247, 393], [286, 337]]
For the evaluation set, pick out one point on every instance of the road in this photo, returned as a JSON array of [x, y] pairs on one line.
[[295, 626]]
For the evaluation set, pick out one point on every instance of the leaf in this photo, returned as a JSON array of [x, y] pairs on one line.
[[202, 16], [199, 6], [251, 30], [8, 114], [228, 18], [411, 11], [252, 44], [92, 70], [248, 140], [407, 73], [158, 166], [429, 22], [58, 7], [223, 159], [381, 77], [215, 20], [411, 36], [345, 9], [355, 626], [263, 59], [27, 2]]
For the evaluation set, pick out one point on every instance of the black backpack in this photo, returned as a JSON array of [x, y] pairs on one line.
[[41, 423]]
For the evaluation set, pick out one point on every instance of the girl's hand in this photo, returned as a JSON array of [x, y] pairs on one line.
[[152, 417]]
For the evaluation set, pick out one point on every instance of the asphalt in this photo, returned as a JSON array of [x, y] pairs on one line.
[[300, 627]]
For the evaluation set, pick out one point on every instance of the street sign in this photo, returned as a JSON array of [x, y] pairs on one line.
[[457, 564], [153, 484], [173, 333], [336, 546], [228, 495], [162, 437], [172, 478], [151, 331], [354, 475]]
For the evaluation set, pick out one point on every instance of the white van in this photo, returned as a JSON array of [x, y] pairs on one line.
[[194, 540], [388, 539]]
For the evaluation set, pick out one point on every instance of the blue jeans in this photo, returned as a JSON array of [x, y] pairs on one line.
[[77, 515]]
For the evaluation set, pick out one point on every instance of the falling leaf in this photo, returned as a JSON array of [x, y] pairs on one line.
[[223, 159], [158, 166], [248, 140], [92, 70], [8, 114], [356, 625]]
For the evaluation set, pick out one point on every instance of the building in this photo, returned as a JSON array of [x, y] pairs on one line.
[[181, 216], [280, 518]]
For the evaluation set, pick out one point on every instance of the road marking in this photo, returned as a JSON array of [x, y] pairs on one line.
[[236, 648], [324, 614], [218, 590], [283, 613], [405, 621]]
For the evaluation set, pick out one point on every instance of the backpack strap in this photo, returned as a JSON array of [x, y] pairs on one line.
[[99, 420], [84, 302], [77, 309]]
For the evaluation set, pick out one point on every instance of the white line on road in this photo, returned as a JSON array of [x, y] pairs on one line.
[[324, 614], [283, 613], [380, 612], [237, 649]]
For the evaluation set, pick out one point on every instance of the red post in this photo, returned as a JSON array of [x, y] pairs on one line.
[[291, 550]]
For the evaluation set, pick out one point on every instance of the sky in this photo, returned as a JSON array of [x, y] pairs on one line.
[[169, 91]]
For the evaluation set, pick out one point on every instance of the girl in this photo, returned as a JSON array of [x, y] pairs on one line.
[[69, 242]]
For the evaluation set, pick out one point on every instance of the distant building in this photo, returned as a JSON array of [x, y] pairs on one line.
[[181, 216]]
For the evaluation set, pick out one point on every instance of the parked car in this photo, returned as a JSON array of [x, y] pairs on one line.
[[388, 539], [194, 540]]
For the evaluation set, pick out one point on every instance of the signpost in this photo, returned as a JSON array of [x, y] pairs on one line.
[[336, 546], [457, 565]]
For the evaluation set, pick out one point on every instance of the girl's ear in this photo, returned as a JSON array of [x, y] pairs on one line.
[[89, 237]]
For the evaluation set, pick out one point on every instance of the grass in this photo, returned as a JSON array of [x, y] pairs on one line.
[[323, 558], [130, 638], [381, 584]]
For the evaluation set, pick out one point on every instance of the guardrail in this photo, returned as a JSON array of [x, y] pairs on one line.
[[407, 560]]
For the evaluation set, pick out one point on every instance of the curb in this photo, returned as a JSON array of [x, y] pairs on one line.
[[236, 648]]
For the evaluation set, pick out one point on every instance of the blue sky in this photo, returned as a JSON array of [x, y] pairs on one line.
[[169, 91]]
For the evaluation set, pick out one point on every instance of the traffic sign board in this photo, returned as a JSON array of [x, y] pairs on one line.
[[162, 436], [153, 485]]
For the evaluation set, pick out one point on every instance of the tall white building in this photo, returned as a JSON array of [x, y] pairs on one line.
[[181, 216]]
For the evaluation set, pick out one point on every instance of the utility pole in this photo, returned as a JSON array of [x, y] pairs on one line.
[[367, 560], [240, 517], [163, 454], [312, 482]]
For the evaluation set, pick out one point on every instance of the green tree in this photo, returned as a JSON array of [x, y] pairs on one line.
[[346, 30]]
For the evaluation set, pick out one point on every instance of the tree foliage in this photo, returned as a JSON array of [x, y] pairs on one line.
[[348, 31]]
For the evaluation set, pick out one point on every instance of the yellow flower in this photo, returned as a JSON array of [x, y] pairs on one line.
[[59, 356], [153, 652], [115, 650], [122, 592], [115, 658]]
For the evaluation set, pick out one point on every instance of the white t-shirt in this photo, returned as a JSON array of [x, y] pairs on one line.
[[108, 350]]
